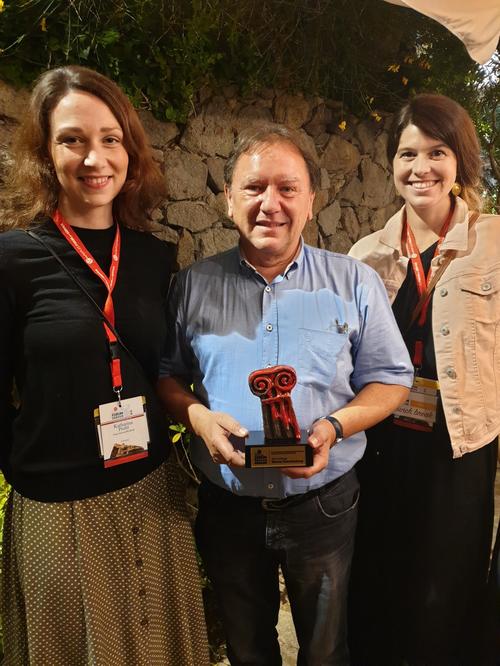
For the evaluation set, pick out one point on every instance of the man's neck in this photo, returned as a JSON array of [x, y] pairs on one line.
[[268, 266]]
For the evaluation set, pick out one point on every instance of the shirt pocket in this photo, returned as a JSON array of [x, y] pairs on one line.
[[318, 355], [482, 296]]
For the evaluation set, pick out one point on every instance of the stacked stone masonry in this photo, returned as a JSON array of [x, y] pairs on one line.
[[356, 194]]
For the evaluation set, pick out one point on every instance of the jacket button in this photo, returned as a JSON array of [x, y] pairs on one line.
[[445, 330], [451, 373], [444, 291], [486, 286]]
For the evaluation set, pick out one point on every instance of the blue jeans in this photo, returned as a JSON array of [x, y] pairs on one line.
[[243, 541]]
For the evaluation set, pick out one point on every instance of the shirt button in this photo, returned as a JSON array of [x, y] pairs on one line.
[[144, 621], [270, 486], [451, 373], [142, 592], [456, 410], [444, 292], [135, 530], [269, 327], [445, 330], [268, 289], [486, 286], [138, 563], [131, 497]]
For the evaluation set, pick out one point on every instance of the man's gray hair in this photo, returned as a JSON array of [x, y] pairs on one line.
[[268, 135]]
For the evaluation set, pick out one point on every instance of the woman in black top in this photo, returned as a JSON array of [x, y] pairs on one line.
[[98, 559]]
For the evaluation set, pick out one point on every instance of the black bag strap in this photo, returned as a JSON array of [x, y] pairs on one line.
[[86, 292]]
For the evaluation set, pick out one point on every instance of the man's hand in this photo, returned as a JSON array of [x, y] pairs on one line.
[[321, 439], [214, 428], [372, 404]]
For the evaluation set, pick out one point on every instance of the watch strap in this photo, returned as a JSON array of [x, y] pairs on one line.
[[337, 426]]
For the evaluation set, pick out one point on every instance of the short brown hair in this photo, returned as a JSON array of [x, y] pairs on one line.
[[268, 135], [33, 186], [442, 118]]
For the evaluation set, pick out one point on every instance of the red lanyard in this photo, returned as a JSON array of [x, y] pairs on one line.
[[422, 281], [109, 283]]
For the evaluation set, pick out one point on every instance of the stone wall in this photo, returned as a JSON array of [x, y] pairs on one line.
[[356, 197]]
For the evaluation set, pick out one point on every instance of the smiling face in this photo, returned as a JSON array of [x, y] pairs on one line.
[[89, 158], [425, 170], [270, 200]]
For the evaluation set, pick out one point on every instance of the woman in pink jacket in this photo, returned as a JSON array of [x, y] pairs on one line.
[[427, 477]]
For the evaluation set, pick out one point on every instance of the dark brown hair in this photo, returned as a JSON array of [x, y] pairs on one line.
[[33, 187], [442, 118], [268, 135]]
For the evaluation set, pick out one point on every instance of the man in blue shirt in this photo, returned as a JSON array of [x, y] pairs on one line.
[[270, 301]]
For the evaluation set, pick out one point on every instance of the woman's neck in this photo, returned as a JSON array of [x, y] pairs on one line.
[[97, 217], [427, 224]]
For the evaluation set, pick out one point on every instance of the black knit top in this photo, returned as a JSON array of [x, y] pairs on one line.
[[53, 346]]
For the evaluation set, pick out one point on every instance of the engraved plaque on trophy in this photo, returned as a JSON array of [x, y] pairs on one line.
[[281, 443]]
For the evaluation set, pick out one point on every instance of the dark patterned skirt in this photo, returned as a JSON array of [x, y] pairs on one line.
[[105, 581]]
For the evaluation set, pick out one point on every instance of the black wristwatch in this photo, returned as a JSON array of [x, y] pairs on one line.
[[337, 426]]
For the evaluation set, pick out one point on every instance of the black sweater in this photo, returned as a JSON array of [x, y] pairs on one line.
[[54, 346]]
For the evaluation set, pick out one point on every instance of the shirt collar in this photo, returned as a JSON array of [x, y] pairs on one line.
[[456, 238], [295, 263]]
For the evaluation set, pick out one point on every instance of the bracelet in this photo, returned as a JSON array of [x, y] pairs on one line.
[[337, 426]]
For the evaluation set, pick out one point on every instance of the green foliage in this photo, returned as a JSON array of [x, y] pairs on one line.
[[367, 54], [162, 51]]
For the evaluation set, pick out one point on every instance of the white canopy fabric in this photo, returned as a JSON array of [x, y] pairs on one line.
[[475, 22]]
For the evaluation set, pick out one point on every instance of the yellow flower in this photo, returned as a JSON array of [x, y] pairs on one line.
[[376, 116], [404, 80], [43, 24], [393, 68], [2, 5], [343, 126]]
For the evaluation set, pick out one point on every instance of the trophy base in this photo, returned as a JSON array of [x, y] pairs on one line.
[[278, 454]]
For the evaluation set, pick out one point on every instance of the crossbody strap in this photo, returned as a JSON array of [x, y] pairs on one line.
[[437, 275], [85, 291]]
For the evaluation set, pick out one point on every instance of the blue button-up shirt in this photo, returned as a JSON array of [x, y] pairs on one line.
[[328, 316]]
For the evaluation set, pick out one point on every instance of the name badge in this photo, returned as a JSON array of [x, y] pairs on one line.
[[419, 410], [122, 431]]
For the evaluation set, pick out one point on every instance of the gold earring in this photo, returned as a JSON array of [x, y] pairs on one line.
[[456, 189]]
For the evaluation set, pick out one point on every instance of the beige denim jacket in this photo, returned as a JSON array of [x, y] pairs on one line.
[[465, 319]]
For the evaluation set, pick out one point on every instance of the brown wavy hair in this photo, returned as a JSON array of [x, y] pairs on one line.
[[442, 118], [33, 188]]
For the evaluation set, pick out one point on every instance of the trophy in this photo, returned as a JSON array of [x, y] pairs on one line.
[[282, 443]]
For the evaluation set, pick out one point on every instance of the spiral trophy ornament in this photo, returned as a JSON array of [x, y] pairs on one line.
[[280, 445]]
